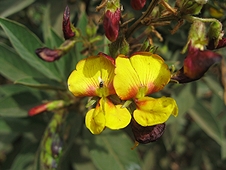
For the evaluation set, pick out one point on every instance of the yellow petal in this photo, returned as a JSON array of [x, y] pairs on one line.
[[152, 111], [116, 117], [95, 120], [126, 80], [93, 77], [152, 71]]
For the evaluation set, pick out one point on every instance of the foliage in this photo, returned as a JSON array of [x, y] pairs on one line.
[[196, 139]]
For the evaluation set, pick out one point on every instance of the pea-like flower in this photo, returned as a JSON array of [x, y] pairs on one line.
[[136, 77], [94, 77]]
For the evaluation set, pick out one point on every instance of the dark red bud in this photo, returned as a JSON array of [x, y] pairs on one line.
[[37, 109], [196, 64], [68, 33], [221, 44], [48, 54], [147, 134], [111, 24], [137, 4]]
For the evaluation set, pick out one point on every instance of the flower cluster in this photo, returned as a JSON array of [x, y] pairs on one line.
[[131, 79], [121, 86]]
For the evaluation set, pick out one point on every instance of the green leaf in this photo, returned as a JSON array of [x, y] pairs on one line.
[[25, 43], [183, 93], [41, 83], [113, 149], [205, 119], [15, 101], [214, 85], [13, 66], [25, 156], [9, 7]]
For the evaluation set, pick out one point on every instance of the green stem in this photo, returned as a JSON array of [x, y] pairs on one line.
[[137, 24], [191, 19]]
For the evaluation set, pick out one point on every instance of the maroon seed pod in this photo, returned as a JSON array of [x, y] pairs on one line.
[[147, 134]]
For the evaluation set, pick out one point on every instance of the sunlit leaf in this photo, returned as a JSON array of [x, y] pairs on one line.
[[9, 7], [13, 67], [25, 43]]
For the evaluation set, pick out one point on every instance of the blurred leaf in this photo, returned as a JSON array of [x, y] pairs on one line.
[[9, 7], [13, 67], [24, 158], [72, 127], [25, 43], [112, 149], [217, 105], [46, 27], [81, 25], [204, 118], [41, 83], [214, 85], [17, 102], [185, 96]]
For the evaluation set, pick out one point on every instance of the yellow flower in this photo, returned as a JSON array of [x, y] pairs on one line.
[[94, 77], [106, 114], [142, 74], [151, 111]]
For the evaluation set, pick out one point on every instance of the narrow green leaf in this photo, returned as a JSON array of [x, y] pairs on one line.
[[15, 101], [13, 67], [204, 118], [214, 85], [113, 149], [24, 158], [25, 43], [46, 27], [9, 7], [41, 83], [182, 94]]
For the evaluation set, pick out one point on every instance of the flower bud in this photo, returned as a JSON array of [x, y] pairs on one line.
[[48, 54], [215, 33], [49, 106], [111, 24], [137, 4], [37, 109], [192, 7], [147, 134], [197, 35], [67, 26], [196, 64]]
